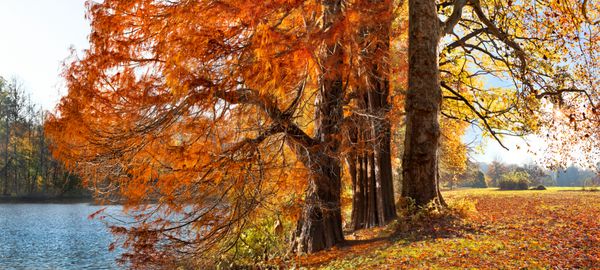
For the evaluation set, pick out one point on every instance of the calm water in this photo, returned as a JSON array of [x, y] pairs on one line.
[[53, 236]]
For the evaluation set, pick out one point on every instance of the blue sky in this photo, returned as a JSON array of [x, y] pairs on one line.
[[36, 36]]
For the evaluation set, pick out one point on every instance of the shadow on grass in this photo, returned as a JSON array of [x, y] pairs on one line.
[[427, 226], [348, 249]]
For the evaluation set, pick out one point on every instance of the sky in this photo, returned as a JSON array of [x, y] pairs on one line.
[[521, 150], [36, 37]]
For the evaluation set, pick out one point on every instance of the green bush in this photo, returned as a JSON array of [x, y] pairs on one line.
[[257, 243], [479, 181], [516, 180], [539, 187]]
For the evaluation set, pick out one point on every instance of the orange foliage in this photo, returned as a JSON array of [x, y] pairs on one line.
[[195, 112], [151, 116], [192, 112]]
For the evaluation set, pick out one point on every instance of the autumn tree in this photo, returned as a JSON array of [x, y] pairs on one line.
[[5, 162], [232, 107], [495, 171], [453, 151], [228, 108], [572, 127], [537, 175], [455, 46]]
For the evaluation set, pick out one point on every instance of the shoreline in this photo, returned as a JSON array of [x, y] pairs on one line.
[[46, 200]]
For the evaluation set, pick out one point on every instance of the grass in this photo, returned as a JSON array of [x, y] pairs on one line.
[[558, 228]]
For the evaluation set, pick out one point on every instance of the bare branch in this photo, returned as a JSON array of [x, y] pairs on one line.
[[482, 117], [448, 26], [462, 41], [567, 90]]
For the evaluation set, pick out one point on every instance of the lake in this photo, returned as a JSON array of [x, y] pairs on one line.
[[54, 236]]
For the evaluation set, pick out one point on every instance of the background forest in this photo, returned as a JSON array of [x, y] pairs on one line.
[[27, 169]]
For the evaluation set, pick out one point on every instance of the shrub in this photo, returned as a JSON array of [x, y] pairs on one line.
[[479, 181], [517, 180], [539, 187], [463, 207], [257, 243], [592, 183], [513, 185]]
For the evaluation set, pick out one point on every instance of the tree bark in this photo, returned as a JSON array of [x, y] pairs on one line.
[[320, 224], [379, 106], [373, 200], [420, 161]]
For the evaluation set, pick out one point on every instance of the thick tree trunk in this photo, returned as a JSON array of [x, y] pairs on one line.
[[370, 169], [420, 161], [380, 125], [320, 226], [370, 163]]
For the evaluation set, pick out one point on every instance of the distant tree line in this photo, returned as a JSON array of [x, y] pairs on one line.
[[470, 176], [572, 176], [498, 174], [577, 177], [529, 174], [27, 168]]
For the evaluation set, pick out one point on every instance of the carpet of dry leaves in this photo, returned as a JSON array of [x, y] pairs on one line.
[[551, 229]]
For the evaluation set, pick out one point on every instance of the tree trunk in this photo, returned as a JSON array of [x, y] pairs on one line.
[[371, 173], [420, 161], [373, 200], [15, 181], [6, 157], [379, 107], [320, 226]]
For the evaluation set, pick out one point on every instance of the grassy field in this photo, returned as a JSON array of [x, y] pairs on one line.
[[557, 228]]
